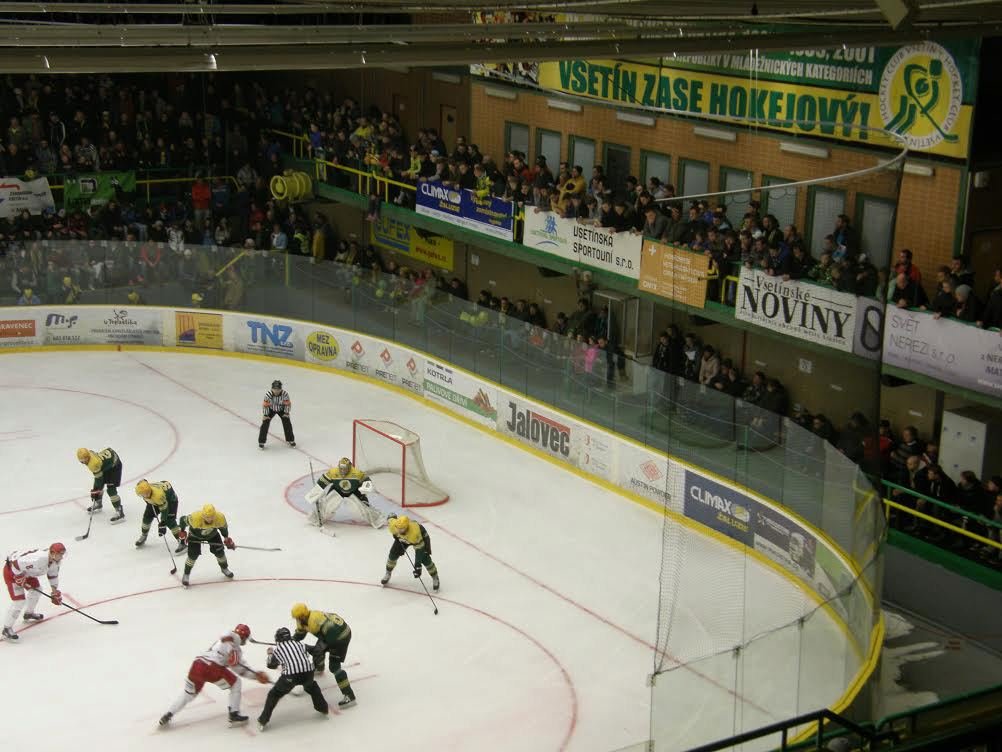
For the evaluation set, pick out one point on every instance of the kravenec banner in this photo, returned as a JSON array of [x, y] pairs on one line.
[[17, 195], [951, 351], [19, 329], [490, 216], [802, 310], [585, 244]]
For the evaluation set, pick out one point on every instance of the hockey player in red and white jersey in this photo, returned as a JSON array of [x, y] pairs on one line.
[[21, 573], [222, 665]]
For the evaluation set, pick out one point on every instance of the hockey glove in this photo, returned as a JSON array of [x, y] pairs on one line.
[[96, 494], [20, 579], [182, 535], [263, 677], [367, 487], [229, 544], [162, 531], [57, 598], [417, 571]]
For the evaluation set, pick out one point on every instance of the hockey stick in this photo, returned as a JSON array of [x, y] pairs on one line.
[[261, 642], [99, 621], [257, 548], [421, 580], [320, 519], [90, 521], [170, 553]]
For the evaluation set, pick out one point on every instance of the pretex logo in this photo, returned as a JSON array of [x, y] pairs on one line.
[[355, 361], [921, 93]]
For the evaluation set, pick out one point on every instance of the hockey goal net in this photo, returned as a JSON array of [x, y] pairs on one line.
[[393, 453]]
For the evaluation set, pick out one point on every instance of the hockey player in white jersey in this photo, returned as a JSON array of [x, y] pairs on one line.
[[21, 573], [222, 665], [347, 482]]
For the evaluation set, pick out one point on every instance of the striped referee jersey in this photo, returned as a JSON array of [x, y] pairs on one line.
[[293, 657], [277, 403]]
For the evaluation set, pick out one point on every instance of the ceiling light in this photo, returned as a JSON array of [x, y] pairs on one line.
[[561, 104], [446, 78], [718, 133], [792, 147], [211, 58], [498, 92], [629, 117], [914, 168]]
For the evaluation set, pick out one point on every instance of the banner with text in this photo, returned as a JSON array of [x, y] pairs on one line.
[[957, 353], [420, 245], [585, 244], [923, 92], [674, 273], [119, 326], [490, 216], [453, 388], [17, 195], [532, 425], [262, 336], [80, 192], [803, 310], [19, 330], [196, 329]]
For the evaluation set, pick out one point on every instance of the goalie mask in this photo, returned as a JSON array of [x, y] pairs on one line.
[[344, 467]]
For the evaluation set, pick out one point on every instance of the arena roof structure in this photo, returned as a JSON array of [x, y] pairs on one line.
[[71, 37]]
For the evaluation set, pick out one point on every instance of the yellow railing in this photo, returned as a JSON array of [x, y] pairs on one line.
[[148, 183], [889, 505]]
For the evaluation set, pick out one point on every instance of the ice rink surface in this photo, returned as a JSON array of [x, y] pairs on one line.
[[549, 599]]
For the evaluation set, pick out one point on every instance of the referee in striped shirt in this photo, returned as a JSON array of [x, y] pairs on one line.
[[297, 670], [276, 402]]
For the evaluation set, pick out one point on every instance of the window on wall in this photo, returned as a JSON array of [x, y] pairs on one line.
[[693, 177], [616, 159], [548, 145], [824, 205], [655, 165], [780, 202], [581, 151], [516, 138], [875, 225], [732, 179]]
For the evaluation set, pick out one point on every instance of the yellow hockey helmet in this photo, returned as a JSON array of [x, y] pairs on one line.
[[208, 513], [144, 489], [399, 525], [300, 611], [83, 455], [344, 466]]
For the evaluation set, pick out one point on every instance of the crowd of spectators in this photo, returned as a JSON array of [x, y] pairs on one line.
[[202, 128]]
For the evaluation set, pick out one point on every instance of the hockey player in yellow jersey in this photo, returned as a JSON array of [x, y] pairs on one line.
[[106, 466], [333, 635], [349, 483], [161, 504], [406, 532], [207, 525]]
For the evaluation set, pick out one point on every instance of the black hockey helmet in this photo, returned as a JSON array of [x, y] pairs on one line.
[[282, 634], [276, 384]]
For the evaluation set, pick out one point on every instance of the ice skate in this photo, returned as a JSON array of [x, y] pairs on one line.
[[386, 578], [10, 634], [434, 582], [119, 516], [165, 720], [94, 508], [292, 444], [261, 726], [30, 616], [141, 541], [184, 580], [237, 718], [346, 702], [181, 546], [227, 573], [260, 446]]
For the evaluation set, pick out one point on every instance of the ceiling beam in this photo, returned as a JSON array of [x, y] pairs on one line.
[[357, 55]]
